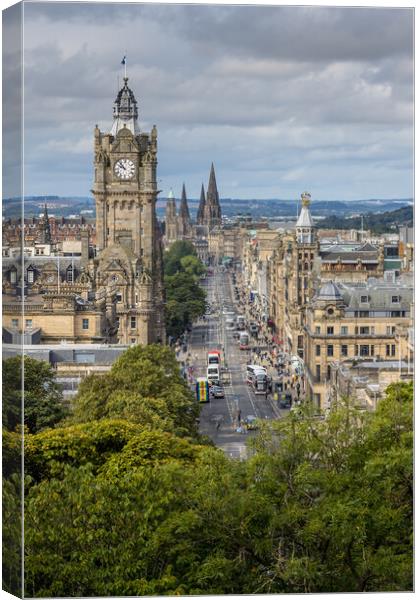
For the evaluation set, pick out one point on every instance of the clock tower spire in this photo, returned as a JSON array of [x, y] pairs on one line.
[[127, 237]]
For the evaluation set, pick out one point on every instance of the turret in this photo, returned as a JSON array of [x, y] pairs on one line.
[[125, 111], [305, 233]]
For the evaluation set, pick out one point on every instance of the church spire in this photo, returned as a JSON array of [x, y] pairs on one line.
[[184, 216], [212, 211], [200, 211], [212, 193], [125, 111], [184, 212]]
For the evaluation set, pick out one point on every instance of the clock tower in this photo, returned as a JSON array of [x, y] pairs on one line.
[[129, 257]]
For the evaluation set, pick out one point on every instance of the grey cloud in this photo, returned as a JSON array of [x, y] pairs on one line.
[[276, 96], [298, 33]]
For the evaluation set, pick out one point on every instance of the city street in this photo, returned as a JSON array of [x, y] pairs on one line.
[[219, 418]]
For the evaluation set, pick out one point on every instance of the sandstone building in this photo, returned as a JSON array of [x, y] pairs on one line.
[[114, 292]]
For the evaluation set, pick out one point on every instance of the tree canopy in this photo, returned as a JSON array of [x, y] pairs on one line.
[[185, 299], [43, 401], [321, 505], [144, 386], [174, 255]]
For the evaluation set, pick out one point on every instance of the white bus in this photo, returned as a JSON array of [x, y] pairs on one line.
[[259, 382], [251, 370], [213, 373]]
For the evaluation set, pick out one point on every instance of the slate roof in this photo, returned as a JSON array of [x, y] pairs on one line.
[[329, 291]]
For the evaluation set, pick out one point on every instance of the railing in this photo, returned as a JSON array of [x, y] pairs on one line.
[[19, 307]]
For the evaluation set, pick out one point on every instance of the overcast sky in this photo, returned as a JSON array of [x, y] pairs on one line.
[[282, 99]]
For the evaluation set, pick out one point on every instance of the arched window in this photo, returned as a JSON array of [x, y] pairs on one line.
[[13, 275], [69, 274], [30, 274]]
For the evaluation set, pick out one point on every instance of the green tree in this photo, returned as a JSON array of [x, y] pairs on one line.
[[322, 505], [48, 453], [185, 302], [43, 405], [193, 265], [185, 299], [12, 534], [144, 386], [175, 527], [343, 491], [174, 255]]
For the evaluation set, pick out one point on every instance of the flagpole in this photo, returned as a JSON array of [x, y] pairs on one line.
[[125, 65]]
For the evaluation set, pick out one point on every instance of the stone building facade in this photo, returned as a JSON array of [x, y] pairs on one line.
[[354, 322], [114, 292]]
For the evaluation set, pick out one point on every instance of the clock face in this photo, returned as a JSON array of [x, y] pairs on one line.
[[124, 168]]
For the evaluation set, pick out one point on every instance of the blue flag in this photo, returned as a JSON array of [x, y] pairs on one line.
[[123, 60]]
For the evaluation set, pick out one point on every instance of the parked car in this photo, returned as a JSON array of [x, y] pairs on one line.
[[213, 382], [217, 391], [285, 400]]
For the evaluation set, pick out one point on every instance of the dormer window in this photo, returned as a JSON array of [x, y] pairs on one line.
[[395, 299], [364, 299], [13, 276], [30, 275]]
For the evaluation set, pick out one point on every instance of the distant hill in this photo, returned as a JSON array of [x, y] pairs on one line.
[[270, 208], [59, 206], [376, 222]]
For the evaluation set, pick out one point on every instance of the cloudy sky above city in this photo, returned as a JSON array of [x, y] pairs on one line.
[[282, 99]]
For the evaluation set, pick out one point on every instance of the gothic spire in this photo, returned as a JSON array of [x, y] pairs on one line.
[[171, 205], [212, 193], [184, 212], [200, 211], [212, 211]]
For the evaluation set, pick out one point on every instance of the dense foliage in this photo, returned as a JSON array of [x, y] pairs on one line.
[[185, 299], [43, 409], [120, 507], [375, 222], [143, 386], [42, 396]]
